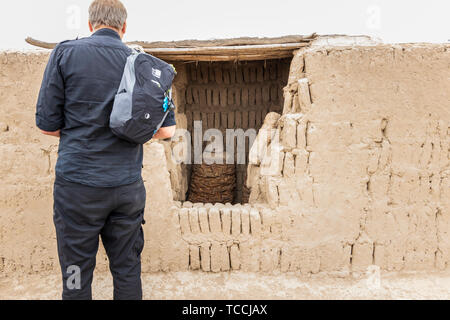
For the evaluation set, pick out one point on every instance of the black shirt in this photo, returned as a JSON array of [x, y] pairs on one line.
[[76, 96]]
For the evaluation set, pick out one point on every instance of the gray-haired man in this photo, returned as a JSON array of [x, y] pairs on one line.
[[98, 190]]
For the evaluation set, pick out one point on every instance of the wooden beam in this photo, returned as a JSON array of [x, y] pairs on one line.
[[248, 49], [265, 49], [41, 44], [225, 42]]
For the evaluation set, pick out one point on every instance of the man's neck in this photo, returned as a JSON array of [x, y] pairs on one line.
[[106, 27]]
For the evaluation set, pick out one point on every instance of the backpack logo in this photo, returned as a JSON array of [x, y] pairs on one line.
[[156, 73]]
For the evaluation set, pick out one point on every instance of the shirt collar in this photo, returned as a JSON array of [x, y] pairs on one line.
[[106, 32]]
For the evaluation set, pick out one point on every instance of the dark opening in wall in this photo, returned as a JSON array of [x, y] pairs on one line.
[[228, 95]]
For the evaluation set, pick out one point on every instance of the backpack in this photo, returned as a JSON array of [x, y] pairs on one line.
[[144, 98]]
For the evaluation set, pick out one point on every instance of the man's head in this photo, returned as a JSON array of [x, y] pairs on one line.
[[108, 14]]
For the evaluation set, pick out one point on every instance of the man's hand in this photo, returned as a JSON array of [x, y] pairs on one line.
[[53, 134], [165, 133]]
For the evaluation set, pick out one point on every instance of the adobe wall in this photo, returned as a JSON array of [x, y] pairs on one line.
[[365, 141], [364, 177]]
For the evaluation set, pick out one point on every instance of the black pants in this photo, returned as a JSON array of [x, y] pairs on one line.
[[82, 214]]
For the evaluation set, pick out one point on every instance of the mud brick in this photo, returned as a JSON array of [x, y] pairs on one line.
[[266, 94], [255, 222], [223, 120], [280, 70], [280, 91], [211, 77], [226, 76], [184, 221], [230, 99], [215, 97], [223, 97], [224, 258], [193, 220], [180, 94], [259, 118], [288, 135], [252, 119], [236, 221], [225, 217], [274, 93], [258, 97], [210, 120], [195, 95], [244, 123], [189, 99], [215, 256], [197, 116], [209, 99], [231, 119], [273, 71], [218, 76], [289, 165], [252, 74], [189, 120], [304, 97], [205, 256], [193, 72], [287, 105], [216, 120], [266, 72], [245, 221], [203, 218], [199, 75], [194, 257], [235, 257], [233, 75], [246, 74], [204, 73], [296, 104], [204, 121], [244, 97], [260, 74], [237, 96], [252, 96], [239, 75], [202, 96], [237, 119], [214, 220]]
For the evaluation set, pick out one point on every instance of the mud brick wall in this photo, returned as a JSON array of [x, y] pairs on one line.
[[232, 96], [364, 179], [364, 155], [225, 237]]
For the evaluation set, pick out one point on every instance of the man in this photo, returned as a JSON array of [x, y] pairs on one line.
[[98, 189]]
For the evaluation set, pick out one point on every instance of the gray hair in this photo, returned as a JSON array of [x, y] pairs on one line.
[[111, 13]]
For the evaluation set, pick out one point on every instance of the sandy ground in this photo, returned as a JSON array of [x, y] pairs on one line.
[[192, 285]]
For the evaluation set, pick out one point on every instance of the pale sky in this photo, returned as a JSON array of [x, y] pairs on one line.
[[393, 21]]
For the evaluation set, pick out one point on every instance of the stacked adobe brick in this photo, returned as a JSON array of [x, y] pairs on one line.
[[224, 95]]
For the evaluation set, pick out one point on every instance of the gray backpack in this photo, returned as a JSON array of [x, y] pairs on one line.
[[144, 98]]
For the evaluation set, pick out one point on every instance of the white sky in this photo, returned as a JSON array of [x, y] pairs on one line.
[[151, 20]]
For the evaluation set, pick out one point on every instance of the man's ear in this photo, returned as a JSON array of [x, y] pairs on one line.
[[91, 29], [124, 28]]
